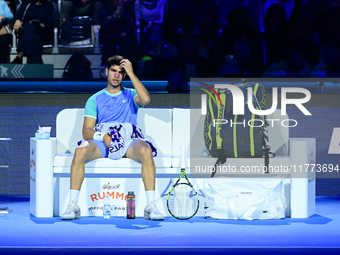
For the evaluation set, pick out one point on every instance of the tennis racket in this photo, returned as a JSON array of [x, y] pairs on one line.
[[182, 200]]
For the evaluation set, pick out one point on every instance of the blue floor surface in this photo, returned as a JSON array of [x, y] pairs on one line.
[[22, 233]]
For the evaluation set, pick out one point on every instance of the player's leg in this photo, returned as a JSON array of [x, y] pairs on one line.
[[88, 150], [140, 151]]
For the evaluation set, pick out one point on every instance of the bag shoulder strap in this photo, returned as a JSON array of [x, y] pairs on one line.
[[221, 111], [23, 16]]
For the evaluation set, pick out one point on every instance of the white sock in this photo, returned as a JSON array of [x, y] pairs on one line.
[[74, 194], [150, 196]]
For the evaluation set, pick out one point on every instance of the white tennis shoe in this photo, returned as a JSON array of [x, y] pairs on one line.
[[72, 212], [151, 212]]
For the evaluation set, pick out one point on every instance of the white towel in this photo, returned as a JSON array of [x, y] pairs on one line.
[[122, 136]]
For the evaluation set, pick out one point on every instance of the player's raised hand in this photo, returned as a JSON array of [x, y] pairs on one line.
[[127, 65]]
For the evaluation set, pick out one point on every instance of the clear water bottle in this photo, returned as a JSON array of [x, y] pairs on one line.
[[107, 207], [130, 205]]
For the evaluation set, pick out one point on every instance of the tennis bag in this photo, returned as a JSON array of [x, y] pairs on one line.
[[246, 198], [246, 137]]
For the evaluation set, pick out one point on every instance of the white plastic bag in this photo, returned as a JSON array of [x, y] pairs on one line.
[[245, 198]]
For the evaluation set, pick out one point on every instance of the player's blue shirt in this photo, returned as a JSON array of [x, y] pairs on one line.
[[106, 107]]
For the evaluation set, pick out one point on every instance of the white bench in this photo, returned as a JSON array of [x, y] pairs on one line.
[[167, 129]]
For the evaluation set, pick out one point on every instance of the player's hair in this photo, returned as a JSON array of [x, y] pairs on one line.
[[114, 61]]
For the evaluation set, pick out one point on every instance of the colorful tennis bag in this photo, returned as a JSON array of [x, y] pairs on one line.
[[246, 137]]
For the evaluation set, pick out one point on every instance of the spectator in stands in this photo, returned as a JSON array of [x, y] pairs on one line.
[[239, 26], [244, 61], [149, 18], [176, 25], [208, 40], [34, 27], [331, 26], [329, 65], [293, 10], [253, 9], [201, 9], [310, 9], [6, 17], [176, 80], [287, 5], [310, 40], [189, 62], [276, 34], [186, 22], [129, 8], [293, 66], [55, 12], [72, 8], [116, 33]]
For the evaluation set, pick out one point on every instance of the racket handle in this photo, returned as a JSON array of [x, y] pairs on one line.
[[183, 156]]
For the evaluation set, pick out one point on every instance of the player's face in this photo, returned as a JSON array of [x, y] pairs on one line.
[[115, 75]]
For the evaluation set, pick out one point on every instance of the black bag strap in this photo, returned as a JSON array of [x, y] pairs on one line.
[[221, 159], [266, 159], [23, 16]]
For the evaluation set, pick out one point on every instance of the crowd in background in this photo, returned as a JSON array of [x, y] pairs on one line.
[[177, 39]]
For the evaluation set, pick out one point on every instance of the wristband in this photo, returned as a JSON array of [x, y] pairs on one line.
[[99, 136]]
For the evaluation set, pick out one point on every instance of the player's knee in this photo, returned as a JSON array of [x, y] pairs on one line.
[[79, 155], [146, 153]]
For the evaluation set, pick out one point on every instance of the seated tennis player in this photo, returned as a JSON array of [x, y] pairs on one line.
[[110, 130]]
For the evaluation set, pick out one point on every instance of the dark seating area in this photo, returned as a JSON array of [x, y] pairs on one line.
[[177, 40]]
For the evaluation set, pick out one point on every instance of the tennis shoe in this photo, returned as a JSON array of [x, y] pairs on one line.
[[72, 212], [151, 212]]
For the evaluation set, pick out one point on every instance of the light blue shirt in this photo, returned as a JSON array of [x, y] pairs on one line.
[[6, 12], [107, 108]]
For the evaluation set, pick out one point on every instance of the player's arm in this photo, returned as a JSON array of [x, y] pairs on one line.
[[143, 96], [88, 132]]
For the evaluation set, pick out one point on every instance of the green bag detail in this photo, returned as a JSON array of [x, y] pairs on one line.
[[247, 136]]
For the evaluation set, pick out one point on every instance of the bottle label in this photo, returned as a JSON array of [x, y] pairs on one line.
[[130, 209]]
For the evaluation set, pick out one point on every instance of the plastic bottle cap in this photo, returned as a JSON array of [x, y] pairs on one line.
[[131, 193]]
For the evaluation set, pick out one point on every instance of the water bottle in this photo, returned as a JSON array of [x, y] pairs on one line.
[[107, 207], [130, 205]]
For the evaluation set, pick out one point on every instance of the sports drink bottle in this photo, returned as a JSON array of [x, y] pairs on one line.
[[130, 205]]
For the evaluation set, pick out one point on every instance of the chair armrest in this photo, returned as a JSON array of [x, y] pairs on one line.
[[42, 152], [303, 155]]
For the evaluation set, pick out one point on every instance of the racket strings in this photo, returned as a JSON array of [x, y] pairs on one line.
[[183, 201]]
